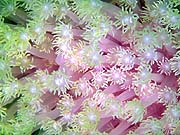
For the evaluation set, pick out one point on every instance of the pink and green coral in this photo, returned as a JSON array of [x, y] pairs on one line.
[[89, 67]]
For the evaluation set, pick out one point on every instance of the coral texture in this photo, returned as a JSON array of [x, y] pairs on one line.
[[89, 67]]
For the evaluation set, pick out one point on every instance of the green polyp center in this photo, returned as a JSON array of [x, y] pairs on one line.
[[147, 39], [127, 19], [174, 19]]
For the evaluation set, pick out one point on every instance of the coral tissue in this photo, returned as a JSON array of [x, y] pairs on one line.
[[89, 67]]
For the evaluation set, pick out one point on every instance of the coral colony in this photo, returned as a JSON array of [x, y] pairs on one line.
[[89, 67]]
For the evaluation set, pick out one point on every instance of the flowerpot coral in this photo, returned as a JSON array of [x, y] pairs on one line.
[[89, 67]]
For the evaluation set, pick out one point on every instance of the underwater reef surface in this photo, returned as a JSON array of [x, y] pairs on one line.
[[89, 67]]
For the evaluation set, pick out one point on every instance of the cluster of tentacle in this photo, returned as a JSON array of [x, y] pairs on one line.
[[89, 67]]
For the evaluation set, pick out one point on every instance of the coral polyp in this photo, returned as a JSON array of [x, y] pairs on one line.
[[89, 67]]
